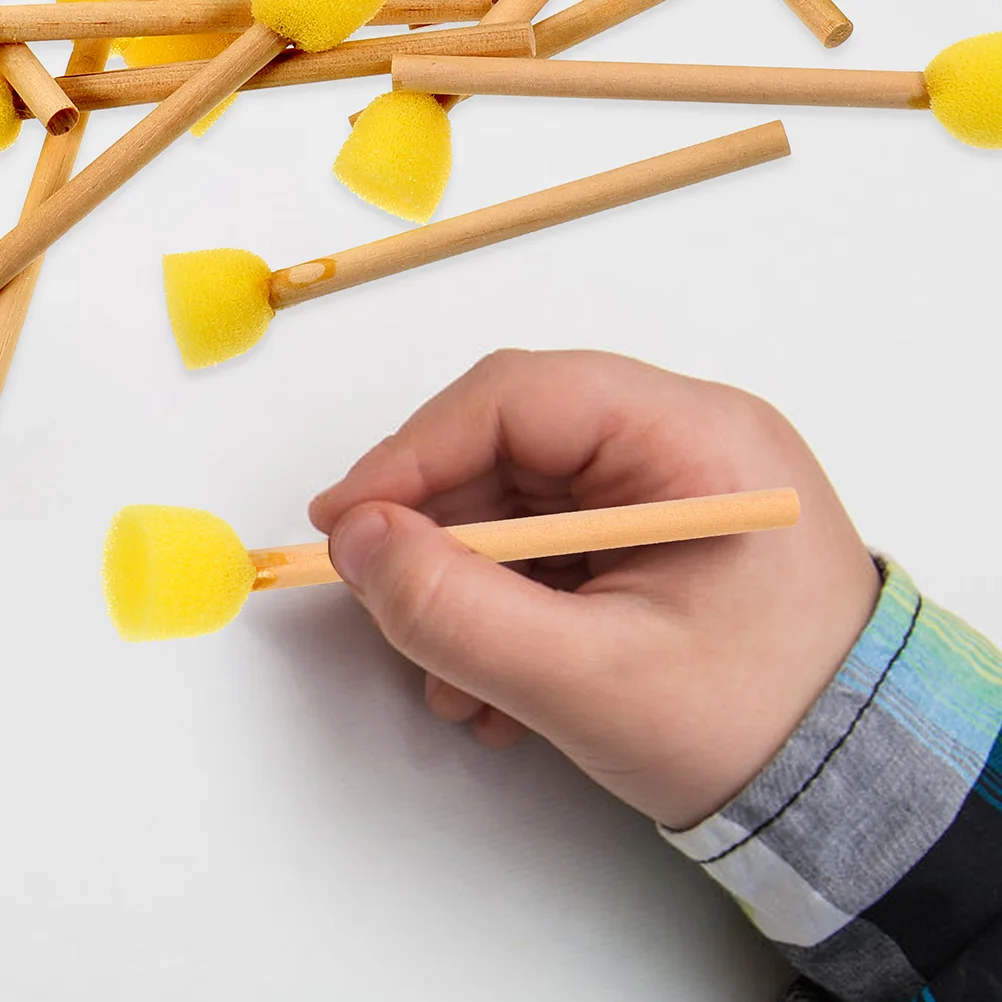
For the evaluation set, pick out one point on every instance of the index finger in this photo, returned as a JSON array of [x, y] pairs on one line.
[[586, 416]]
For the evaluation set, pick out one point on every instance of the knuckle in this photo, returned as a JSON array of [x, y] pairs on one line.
[[500, 361]]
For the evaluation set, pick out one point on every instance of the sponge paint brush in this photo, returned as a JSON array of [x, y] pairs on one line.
[[389, 136], [221, 302], [180, 572], [315, 25], [962, 85], [399, 156]]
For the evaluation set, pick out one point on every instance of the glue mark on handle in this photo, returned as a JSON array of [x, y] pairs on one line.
[[310, 272]]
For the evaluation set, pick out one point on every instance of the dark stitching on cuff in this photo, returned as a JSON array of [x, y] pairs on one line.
[[828, 757]]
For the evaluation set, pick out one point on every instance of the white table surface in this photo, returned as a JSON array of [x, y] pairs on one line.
[[270, 813]]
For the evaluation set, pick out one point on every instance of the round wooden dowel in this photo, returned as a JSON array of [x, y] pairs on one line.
[[32, 82], [540, 536], [431, 11], [580, 21], [503, 11], [364, 57], [446, 74], [219, 78], [830, 26], [131, 18], [491, 225], [53, 170], [121, 19]]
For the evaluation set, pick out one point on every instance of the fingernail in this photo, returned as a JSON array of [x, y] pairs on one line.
[[355, 542]]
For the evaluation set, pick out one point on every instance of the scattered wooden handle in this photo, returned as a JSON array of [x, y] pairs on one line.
[[830, 26], [447, 74], [121, 19], [131, 18], [584, 20], [53, 170], [576, 23], [567, 532], [503, 11], [431, 11], [366, 57], [217, 79], [31, 80], [491, 225]]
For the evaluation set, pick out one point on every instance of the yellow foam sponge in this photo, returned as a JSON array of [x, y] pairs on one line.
[[155, 50], [315, 25], [218, 303], [10, 124], [173, 572], [399, 155], [965, 90]]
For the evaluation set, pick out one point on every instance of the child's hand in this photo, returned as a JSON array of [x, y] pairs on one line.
[[669, 674]]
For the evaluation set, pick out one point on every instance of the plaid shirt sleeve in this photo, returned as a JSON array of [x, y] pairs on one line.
[[870, 849]]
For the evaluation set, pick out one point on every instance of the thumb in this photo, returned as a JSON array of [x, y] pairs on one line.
[[503, 638]]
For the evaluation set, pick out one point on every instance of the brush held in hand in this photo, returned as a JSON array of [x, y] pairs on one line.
[[220, 302], [962, 85], [180, 572], [313, 25]]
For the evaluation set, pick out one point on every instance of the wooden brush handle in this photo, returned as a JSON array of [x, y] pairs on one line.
[[578, 22], [431, 11], [219, 78], [121, 19], [446, 74], [584, 20], [366, 57], [503, 11], [830, 26], [132, 18], [567, 532], [31, 80], [53, 170], [491, 225], [512, 11]]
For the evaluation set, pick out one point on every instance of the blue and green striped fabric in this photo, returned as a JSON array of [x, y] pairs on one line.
[[870, 849]]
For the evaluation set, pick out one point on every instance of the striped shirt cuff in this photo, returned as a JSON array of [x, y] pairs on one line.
[[852, 848]]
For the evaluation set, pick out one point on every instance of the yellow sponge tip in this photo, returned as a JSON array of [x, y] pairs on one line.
[[399, 155], [155, 50], [218, 303], [965, 90], [173, 572], [10, 124], [315, 25]]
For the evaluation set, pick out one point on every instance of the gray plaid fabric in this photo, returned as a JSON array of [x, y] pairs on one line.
[[870, 849]]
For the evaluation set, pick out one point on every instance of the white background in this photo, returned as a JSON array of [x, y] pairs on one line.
[[270, 813]]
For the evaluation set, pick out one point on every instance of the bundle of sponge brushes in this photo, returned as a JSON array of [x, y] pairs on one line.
[[190, 57]]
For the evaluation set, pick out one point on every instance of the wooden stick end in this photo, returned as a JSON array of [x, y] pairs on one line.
[[838, 34], [63, 121]]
